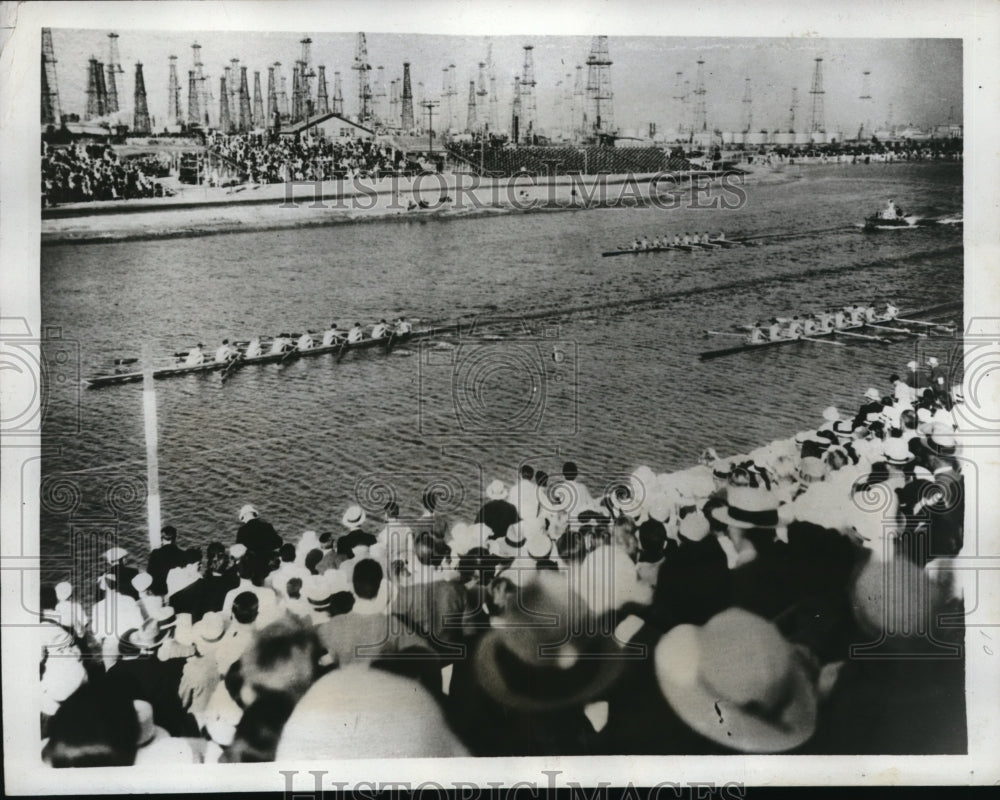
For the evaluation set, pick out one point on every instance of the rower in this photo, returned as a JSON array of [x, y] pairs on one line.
[[225, 352], [839, 320], [855, 314], [721, 237], [794, 328], [355, 334], [757, 335], [305, 342], [380, 329], [195, 356], [809, 326], [687, 238], [869, 313], [332, 334], [253, 348], [889, 212], [677, 240], [403, 327], [704, 238], [891, 312], [280, 344], [636, 245], [774, 332], [824, 321]]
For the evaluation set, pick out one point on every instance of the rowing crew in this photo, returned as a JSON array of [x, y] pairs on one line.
[[677, 240], [823, 322], [284, 343]]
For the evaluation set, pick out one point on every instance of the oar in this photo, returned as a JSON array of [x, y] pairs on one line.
[[922, 322], [895, 330], [725, 333], [862, 336], [822, 341], [340, 352], [231, 366]]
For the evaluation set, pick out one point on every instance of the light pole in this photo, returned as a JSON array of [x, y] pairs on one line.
[[429, 105]]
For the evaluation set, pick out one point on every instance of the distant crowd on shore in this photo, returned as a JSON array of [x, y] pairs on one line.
[[79, 174], [761, 603], [277, 159]]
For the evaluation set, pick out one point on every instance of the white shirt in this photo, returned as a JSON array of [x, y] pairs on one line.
[[114, 615], [305, 342], [194, 357], [253, 349], [278, 345], [379, 330], [355, 335], [525, 498], [329, 336], [404, 326], [224, 352]]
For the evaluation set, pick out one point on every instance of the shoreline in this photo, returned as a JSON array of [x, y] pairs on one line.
[[268, 207]]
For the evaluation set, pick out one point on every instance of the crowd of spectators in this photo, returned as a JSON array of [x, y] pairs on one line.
[[275, 159], [784, 600], [79, 174]]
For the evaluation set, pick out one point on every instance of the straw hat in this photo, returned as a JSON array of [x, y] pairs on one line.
[[831, 414], [896, 452], [812, 469], [872, 394], [247, 513], [354, 517], [142, 581], [748, 507], [237, 551], [496, 490], [64, 590], [738, 682], [144, 639], [115, 554]]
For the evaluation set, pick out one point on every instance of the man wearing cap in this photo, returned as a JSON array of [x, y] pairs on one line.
[[164, 558], [256, 534], [497, 513]]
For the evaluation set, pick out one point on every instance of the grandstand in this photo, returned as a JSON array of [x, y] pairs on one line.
[[509, 161]]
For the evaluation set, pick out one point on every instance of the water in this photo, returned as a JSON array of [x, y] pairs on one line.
[[603, 372]]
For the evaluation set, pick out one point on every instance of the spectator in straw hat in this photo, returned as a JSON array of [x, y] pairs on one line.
[[111, 617], [738, 684], [170, 648], [61, 662], [497, 513], [117, 560], [256, 534], [142, 676], [149, 603]]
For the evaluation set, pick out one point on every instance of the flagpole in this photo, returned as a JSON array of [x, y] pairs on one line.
[[152, 459]]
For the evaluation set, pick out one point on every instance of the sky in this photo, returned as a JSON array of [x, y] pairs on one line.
[[916, 81]]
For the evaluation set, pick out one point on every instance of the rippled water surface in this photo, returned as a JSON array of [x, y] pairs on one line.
[[603, 370]]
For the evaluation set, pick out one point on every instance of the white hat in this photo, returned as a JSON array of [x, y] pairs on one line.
[[872, 394], [237, 551], [210, 628], [142, 581], [353, 517], [748, 507], [897, 452], [694, 527], [922, 474], [247, 513], [538, 545], [831, 414], [63, 590], [115, 554], [932, 361], [658, 506], [912, 365], [496, 490], [923, 414]]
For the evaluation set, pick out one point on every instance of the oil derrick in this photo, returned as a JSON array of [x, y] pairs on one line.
[[494, 105], [102, 89], [207, 100], [306, 74], [283, 95], [246, 119], [378, 101], [226, 99], [296, 92], [258, 102], [338, 95], [566, 120], [700, 110], [394, 103], [114, 69], [203, 91], [515, 112], [599, 86], [194, 115], [407, 119], [747, 121], [51, 113], [470, 121], [816, 124], [793, 109], [233, 84], [272, 96], [445, 100], [95, 93], [481, 95], [322, 98], [579, 106], [140, 121], [364, 81], [529, 109], [866, 102], [225, 123], [453, 123], [173, 95]]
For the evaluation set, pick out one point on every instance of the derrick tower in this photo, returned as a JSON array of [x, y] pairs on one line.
[[481, 98], [114, 69], [470, 120], [258, 102], [407, 99], [272, 96], [379, 101], [96, 91], [338, 95], [225, 122], [599, 86], [364, 80], [700, 109], [140, 121], [51, 113], [793, 109], [246, 119], [306, 74], [579, 104], [322, 97], [747, 121], [173, 94], [194, 117], [529, 108], [515, 111], [816, 124]]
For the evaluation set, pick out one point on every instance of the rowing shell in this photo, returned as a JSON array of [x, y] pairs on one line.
[[269, 358], [710, 245], [727, 351]]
